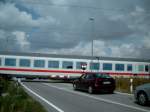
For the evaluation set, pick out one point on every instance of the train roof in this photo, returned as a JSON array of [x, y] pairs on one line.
[[74, 56]]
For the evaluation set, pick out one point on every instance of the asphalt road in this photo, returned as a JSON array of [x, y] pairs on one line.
[[60, 97]]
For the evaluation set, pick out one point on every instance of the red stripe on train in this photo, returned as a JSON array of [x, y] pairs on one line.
[[65, 71], [37, 70]]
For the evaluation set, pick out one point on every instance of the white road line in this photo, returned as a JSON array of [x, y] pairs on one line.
[[46, 101], [123, 93], [100, 99]]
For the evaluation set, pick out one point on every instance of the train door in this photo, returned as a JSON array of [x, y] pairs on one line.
[[135, 69]]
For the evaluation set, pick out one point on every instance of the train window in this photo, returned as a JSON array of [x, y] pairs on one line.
[[107, 66], [119, 67], [39, 63], [79, 65], [53, 64], [67, 65], [24, 63], [141, 68], [94, 66], [10, 62], [146, 68], [129, 67]]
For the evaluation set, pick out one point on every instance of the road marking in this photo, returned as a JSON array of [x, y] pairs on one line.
[[100, 99], [46, 101], [123, 93]]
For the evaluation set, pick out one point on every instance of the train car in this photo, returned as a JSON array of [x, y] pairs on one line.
[[37, 65]]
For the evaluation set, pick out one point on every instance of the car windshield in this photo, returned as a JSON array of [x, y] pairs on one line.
[[102, 76]]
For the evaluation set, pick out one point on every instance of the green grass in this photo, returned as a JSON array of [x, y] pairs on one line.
[[123, 84], [15, 99]]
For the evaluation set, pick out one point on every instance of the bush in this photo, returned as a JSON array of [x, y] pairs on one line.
[[15, 99], [123, 84]]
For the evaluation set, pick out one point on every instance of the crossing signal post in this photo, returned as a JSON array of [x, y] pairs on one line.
[[83, 67]]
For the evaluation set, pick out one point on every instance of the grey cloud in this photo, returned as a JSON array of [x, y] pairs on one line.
[[74, 27], [12, 19], [65, 26]]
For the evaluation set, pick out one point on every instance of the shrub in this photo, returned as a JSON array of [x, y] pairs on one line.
[[16, 99], [123, 84]]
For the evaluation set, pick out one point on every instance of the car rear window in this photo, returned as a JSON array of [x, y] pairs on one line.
[[102, 76]]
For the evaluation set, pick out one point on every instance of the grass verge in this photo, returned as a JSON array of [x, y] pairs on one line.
[[15, 99], [123, 84]]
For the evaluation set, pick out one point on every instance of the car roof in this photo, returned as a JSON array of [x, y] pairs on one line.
[[74, 56]]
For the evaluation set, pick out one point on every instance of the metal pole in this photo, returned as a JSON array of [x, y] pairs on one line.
[[92, 48], [92, 29], [131, 85], [7, 48], [98, 63], [92, 43]]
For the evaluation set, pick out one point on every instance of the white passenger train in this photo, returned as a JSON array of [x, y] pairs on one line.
[[68, 66]]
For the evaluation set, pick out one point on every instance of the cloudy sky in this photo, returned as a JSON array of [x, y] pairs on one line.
[[120, 28]]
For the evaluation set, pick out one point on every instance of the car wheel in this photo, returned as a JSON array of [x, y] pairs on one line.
[[74, 86], [142, 98], [90, 90]]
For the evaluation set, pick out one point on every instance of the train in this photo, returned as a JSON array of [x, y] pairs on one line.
[[54, 66]]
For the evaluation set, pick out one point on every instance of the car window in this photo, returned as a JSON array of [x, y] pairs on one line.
[[89, 76], [102, 76]]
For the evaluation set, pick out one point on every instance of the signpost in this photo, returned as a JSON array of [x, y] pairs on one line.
[[131, 85], [83, 66]]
